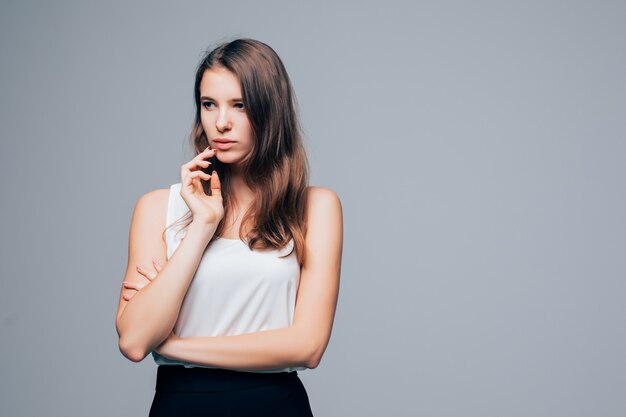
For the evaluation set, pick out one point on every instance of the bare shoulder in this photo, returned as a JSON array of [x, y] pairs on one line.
[[150, 213], [322, 196], [153, 204], [158, 196], [324, 218]]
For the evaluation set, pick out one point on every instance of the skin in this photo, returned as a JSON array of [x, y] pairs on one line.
[[304, 342], [223, 115]]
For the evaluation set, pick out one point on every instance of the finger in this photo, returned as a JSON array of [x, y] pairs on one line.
[[148, 274], [134, 285], [207, 152], [144, 272], [201, 174], [193, 164], [199, 157], [216, 188], [187, 180], [189, 177], [198, 160], [128, 294], [151, 275], [156, 265]]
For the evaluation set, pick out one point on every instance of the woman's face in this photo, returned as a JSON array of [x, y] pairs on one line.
[[223, 115]]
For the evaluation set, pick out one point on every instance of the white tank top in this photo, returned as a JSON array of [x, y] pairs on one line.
[[235, 290]]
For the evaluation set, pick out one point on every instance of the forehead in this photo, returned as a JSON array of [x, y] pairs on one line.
[[220, 82]]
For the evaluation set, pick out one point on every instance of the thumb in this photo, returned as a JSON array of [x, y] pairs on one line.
[[216, 187]]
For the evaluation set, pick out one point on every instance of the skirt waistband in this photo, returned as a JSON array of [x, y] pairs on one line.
[[178, 378]]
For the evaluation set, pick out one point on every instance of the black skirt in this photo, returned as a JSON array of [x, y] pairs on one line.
[[218, 392]]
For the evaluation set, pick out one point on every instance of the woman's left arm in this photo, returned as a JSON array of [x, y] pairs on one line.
[[305, 341]]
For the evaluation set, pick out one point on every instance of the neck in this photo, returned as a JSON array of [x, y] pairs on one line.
[[241, 193]]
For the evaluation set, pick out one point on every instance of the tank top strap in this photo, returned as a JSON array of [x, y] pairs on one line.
[[176, 209]]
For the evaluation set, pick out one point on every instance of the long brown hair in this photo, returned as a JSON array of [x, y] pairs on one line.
[[277, 168]]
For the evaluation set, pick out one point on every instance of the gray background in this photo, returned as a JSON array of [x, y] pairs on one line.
[[478, 149]]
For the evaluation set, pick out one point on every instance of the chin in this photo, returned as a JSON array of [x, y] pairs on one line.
[[227, 159]]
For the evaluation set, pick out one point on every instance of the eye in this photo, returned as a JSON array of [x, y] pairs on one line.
[[239, 104], [206, 103]]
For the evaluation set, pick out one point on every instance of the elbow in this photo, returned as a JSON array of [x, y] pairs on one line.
[[312, 362], [129, 348], [314, 356], [131, 352], [128, 351], [312, 346]]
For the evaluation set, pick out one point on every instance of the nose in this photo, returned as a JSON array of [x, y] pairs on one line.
[[223, 123]]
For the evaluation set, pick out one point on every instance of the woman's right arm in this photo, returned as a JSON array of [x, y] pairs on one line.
[[148, 318]]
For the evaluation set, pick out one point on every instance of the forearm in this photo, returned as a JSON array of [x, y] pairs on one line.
[[150, 315], [263, 350]]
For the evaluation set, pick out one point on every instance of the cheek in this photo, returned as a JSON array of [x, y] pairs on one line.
[[247, 128], [250, 138]]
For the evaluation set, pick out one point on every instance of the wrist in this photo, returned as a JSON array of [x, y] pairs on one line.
[[204, 229], [168, 347]]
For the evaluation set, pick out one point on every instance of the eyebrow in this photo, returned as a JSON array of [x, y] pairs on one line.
[[210, 98]]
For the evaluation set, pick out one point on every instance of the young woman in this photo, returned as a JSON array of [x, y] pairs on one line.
[[233, 273]]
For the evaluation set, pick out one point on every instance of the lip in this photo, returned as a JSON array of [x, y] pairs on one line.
[[223, 140], [223, 146]]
